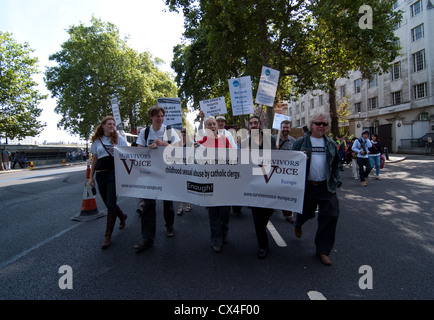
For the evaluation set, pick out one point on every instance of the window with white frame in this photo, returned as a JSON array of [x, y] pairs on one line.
[[357, 85], [321, 100], [372, 103], [396, 97], [424, 116], [419, 60], [312, 103], [396, 70], [416, 8], [302, 107], [417, 33], [420, 90]]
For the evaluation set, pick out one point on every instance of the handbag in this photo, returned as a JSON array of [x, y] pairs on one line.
[[382, 161]]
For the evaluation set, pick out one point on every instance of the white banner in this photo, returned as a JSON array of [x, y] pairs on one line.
[[213, 107], [267, 86], [116, 114], [257, 178], [241, 95]]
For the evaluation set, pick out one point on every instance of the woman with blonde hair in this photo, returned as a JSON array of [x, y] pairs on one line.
[[103, 141]]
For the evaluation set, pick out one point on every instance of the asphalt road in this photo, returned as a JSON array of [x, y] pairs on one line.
[[384, 247]]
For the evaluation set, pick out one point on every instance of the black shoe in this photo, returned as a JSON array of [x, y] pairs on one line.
[[170, 232], [262, 253], [143, 246], [217, 249]]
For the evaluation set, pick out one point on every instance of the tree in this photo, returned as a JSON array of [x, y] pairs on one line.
[[312, 43], [96, 65], [230, 39], [340, 43], [19, 98]]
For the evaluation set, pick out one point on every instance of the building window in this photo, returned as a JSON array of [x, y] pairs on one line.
[[396, 97], [419, 60], [416, 8], [373, 81], [302, 107], [417, 33], [357, 85], [372, 103], [290, 112], [358, 107], [343, 91], [321, 101], [312, 103], [395, 5], [419, 90], [396, 71], [424, 116]]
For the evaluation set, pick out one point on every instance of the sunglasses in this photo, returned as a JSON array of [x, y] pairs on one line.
[[325, 124]]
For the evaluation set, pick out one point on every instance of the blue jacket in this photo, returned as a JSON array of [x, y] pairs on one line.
[[358, 146], [332, 159]]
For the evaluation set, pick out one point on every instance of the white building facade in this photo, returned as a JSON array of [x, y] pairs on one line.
[[398, 105]]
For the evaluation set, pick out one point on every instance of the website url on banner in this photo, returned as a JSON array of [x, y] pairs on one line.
[[136, 186], [270, 196]]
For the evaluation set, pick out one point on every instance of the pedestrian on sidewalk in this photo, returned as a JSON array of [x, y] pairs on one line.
[[322, 173], [361, 146], [375, 155], [103, 141]]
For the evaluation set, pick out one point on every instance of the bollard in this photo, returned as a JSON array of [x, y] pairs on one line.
[[31, 165], [63, 162], [386, 153]]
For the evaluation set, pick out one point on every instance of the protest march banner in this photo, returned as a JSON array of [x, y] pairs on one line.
[[173, 115], [267, 86], [213, 107], [241, 95], [116, 114], [278, 118], [213, 177]]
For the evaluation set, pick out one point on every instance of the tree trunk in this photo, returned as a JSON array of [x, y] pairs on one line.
[[333, 113]]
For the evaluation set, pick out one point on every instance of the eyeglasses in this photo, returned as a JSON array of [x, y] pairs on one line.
[[325, 124]]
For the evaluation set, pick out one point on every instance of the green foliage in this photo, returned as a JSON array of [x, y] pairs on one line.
[[312, 44], [19, 98], [96, 65]]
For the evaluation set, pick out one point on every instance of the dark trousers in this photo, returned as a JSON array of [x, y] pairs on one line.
[[107, 190], [364, 172], [219, 223], [149, 218], [328, 214], [261, 216]]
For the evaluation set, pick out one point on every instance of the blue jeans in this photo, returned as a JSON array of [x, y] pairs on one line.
[[375, 160]]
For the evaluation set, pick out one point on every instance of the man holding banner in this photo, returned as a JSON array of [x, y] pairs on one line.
[[261, 216], [153, 137]]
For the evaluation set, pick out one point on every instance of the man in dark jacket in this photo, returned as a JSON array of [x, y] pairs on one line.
[[322, 180]]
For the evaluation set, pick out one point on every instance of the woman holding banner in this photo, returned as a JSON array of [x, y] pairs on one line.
[[218, 216], [103, 141]]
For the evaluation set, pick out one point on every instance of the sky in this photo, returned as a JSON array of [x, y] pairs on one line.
[[43, 24]]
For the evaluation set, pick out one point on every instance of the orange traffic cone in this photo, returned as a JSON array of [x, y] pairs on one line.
[[89, 209]]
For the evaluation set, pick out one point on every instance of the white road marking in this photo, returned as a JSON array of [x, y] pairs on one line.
[[276, 236], [40, 244]]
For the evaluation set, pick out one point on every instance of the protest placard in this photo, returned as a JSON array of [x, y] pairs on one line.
[[241, 95]]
